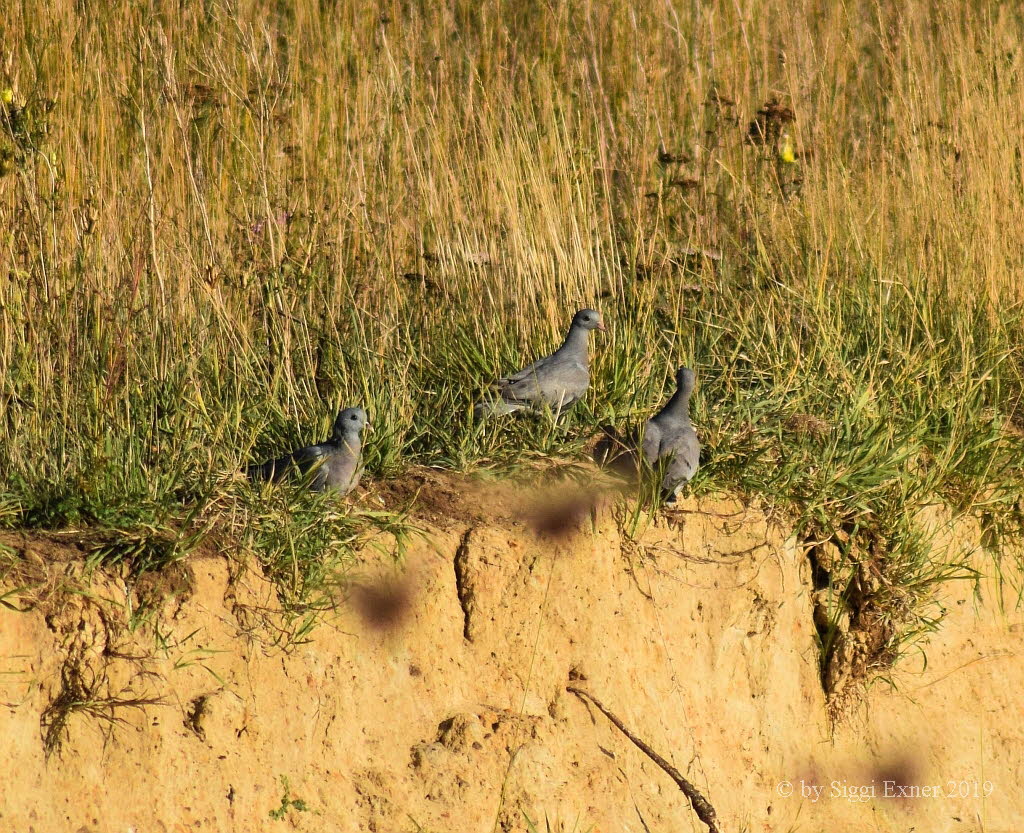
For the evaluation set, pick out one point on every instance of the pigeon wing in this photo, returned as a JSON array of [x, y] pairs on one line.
[[652, 442], [314, 462], [526, 386], [556, 384]]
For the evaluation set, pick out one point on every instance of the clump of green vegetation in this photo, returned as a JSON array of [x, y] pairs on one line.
[[238, 219], [287, 802], [304, 541]]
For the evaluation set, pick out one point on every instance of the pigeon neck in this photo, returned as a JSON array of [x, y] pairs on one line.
[[679, 404], [348, 438], [575, 340]]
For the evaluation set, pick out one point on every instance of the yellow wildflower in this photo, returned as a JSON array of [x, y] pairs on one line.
[[786, 153]]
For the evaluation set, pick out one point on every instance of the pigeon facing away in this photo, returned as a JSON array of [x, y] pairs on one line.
[[669, 438], [554, 382], [334, 464]]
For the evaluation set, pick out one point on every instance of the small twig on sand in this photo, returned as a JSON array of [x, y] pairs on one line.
[[705, 812]]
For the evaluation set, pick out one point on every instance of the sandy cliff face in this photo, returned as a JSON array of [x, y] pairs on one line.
[[698, 634]]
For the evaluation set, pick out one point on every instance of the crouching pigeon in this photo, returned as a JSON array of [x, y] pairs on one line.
[[330, 465], [552, 383], [670, 443]]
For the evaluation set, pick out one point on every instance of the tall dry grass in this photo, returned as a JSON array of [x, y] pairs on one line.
[[223, 220]]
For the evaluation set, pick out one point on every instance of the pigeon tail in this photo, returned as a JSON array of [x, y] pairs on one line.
[[495, 406]]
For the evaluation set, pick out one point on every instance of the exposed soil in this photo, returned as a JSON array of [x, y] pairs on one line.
[[436, 699]]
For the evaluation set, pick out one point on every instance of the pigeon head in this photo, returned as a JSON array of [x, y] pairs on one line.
[[685, 379], [588, 319], [350, 421]]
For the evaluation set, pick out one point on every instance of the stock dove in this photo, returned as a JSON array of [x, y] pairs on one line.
[[670, 443], [333, 464], [554, 382]]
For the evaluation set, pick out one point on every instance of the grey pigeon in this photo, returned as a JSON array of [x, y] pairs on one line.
[[330, 465], [554, 382], [669, 439]]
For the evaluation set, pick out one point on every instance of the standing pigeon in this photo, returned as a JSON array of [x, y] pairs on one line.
[[554, 382], [331, 465], [669, 438]]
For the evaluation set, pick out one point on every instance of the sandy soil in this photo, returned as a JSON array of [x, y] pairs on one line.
[[437, 699]]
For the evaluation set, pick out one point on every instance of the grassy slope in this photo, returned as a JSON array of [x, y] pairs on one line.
[[222, 221]]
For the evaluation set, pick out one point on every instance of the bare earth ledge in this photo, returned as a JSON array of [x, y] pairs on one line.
[[698, 634]]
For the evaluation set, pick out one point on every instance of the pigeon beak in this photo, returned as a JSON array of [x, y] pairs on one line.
[[601, 326], [367, 426]]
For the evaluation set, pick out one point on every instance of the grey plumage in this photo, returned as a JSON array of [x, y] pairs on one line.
[[333, 464], [554, 382], [670, 443]]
